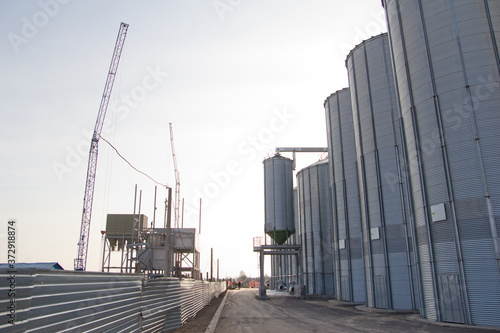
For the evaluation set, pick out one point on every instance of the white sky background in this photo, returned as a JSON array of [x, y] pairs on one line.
[[235, 81]]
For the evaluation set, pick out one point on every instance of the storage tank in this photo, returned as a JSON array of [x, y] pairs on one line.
[[122, 228], [316, 228], [348, 250], [446, 63], [278, 197], [387, 251]]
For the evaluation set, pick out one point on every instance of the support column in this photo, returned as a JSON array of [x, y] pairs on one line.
[[262, 286]]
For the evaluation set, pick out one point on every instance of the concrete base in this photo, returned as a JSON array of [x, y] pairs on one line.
[[262, 293], [303, 294]]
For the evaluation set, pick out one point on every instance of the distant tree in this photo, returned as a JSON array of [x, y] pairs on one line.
[[242, 277]]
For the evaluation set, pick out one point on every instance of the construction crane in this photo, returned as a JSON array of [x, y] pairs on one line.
[[83, 242], [177, 198]]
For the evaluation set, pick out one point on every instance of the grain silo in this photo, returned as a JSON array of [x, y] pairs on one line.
[[316, 227], [446, 63], [278, 197], [386, 237], [348, 249]]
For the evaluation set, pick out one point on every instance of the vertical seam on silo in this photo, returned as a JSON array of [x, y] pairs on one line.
[[420, 167], [407, 186], [308, 173], [305, 266], [346, 209], [388, 293], [363, 184], [444, 154], [484, 178], [265, 204], [400, 181], [274, 203], [492, 34], [338, 274], [322, 250]]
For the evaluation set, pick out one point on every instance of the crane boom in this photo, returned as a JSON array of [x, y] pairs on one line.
[[81, 261], [177, 198]]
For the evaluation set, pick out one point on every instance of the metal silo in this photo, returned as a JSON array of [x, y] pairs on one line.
[[446, 60], [278, 196], [386, 236], [349, 268], [316, 227]]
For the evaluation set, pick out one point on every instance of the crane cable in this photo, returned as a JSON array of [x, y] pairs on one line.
[[133, 167]]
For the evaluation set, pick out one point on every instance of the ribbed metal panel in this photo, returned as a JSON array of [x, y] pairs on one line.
[[447, 67], [161, 305], [316, 227], [64, 301], [345, 198], [389, 272], [67, 301], [278, 197]]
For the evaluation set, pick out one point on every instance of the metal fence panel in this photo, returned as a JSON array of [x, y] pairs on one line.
[[68, 301]]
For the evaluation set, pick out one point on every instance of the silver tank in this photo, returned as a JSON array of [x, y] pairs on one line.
[[446, 61], [387, 252], [349, 269], [316, 228], [278, 197]]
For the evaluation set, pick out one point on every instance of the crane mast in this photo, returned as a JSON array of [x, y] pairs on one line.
[[81, 261], [177, 181]]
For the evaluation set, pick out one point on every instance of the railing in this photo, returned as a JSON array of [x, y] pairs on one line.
[[257, 242]]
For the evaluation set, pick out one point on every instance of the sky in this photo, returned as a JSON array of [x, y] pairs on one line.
[[236, 78]]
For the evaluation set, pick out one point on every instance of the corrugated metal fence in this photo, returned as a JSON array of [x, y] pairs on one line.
[[68, 301]]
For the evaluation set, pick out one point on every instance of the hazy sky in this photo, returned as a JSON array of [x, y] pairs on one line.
[[235, 77]]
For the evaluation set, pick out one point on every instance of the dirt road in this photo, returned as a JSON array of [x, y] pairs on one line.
[[244, 313]]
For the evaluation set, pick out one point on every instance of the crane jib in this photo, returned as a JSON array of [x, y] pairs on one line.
[[81, 261]]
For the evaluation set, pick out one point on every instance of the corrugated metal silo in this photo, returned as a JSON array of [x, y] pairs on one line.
[[278, 196], [349, 269], [316, 228], [387, 249], [446, 60]]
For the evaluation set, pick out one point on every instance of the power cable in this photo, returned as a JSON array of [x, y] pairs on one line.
[[130, 164]]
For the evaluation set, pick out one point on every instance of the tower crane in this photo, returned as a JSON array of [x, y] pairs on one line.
[[177, 198], [81, 261]]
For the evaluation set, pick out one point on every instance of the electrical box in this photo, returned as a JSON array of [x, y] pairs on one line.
[[375, 233], [341, 244], [438, 212]]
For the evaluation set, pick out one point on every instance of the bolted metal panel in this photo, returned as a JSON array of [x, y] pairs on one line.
[[384, 220], [278, 196], [315, 220], [447, 68], [345, 197]]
